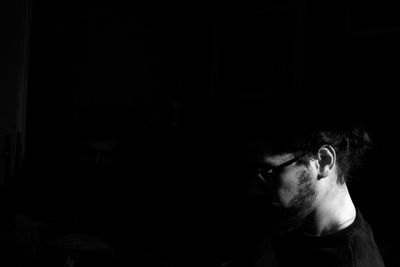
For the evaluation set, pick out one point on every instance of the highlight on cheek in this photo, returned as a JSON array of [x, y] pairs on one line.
[[301, 196]]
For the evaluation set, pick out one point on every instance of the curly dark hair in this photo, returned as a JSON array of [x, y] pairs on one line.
[[305, 124], [350, 146]]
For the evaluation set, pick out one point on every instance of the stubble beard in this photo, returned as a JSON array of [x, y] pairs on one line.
[[300, 206]]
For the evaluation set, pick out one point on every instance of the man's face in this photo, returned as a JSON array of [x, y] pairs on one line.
[[291, 188]]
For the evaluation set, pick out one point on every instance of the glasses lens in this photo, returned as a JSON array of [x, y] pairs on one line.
[[264, 174]]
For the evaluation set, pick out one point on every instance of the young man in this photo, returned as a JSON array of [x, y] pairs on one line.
[[306, 151]]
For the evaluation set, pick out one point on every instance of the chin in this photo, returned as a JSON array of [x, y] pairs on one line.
[[290, 218]]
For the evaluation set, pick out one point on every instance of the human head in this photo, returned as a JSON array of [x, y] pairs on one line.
[[279, 131], [303, 123]]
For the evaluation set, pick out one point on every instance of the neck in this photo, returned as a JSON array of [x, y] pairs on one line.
[[334, 212]]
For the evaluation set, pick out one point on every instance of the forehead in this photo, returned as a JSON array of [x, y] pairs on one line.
[[276, 159]]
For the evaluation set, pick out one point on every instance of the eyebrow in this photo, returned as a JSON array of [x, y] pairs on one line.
[[285, 163], [272, 163]]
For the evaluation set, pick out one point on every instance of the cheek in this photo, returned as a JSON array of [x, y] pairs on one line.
[[286, 188]]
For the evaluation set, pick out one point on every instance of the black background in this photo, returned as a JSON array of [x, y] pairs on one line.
[[152, 83]]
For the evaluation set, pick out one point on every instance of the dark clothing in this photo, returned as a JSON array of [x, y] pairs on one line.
[[352, 246]]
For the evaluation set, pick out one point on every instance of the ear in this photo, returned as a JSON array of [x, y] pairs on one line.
[[326, 159]]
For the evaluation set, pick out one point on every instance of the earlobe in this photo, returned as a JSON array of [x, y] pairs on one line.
[[326, 161]]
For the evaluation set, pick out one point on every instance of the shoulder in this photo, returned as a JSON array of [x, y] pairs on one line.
[[363, 245]]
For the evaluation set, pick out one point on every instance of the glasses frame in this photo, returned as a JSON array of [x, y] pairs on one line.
[[266, 172]]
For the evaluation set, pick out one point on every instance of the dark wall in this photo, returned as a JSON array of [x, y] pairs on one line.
[[14, 54], [126, 105]]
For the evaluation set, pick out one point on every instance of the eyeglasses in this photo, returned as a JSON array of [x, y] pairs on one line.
[[265, 173]]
